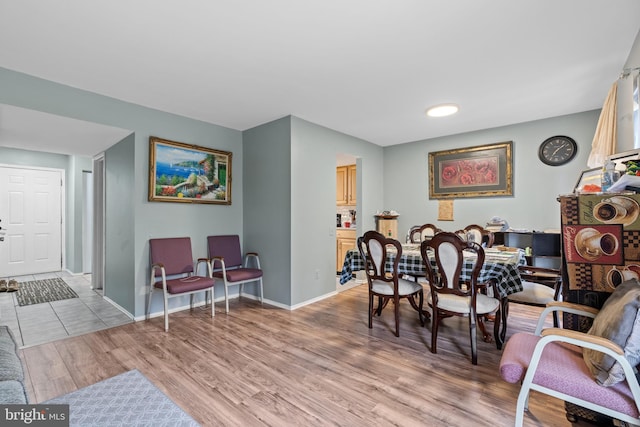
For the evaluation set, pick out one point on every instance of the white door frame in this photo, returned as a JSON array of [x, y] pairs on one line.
[[63, 201]]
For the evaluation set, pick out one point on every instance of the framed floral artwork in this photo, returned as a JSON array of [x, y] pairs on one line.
[[481, 171], [186, 173]]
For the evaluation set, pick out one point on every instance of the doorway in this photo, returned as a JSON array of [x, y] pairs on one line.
[[347, 192], [31, 218]]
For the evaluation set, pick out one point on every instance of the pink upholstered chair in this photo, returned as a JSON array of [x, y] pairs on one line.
[[173, 273], [551, 361], [226, 260]]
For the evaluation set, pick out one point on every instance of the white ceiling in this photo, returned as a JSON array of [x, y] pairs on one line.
[[368, 68]]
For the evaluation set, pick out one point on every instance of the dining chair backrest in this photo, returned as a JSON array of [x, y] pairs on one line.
[[376, 249], [174, 253], [228, 247], [479, 235], [448, 252], [418, 233], [373, 249]]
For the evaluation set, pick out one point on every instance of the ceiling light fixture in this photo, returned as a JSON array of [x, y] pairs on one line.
[[442, 110]]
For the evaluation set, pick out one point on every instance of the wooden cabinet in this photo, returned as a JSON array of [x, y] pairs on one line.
[[346, 239], [388, 226], [346, 185]]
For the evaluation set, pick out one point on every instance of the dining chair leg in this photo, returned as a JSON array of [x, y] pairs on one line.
[[370, 311], [417, 307], [474, 338], [261, 297], [486, 337], [496, 328], [504, 312], [396, 313], [434, 330]]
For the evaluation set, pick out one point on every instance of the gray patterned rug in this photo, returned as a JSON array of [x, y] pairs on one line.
[[47, 290], [128, 399]]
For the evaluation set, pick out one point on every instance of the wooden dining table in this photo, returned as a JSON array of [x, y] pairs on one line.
[[500, 268]]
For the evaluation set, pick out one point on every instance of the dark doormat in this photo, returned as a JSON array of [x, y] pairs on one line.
[[47, 290]]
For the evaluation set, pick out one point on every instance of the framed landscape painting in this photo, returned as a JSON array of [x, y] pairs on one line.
[[481, 171], [186, 173]]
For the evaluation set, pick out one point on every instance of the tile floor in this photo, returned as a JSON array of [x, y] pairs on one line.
[[40, 323]]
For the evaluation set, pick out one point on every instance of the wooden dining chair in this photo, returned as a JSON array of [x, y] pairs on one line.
[[481, 235], [540, 286], [418, 233], [173, 273], [387, 286], [450, 295]]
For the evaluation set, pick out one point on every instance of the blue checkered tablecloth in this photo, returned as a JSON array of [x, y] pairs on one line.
[[505, 274]]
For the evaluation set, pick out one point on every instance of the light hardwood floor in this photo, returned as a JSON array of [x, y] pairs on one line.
[[319, 365]]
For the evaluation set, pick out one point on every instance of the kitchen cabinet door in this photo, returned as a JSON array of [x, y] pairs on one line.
[[345, 240], [351, 185], [341, 185]]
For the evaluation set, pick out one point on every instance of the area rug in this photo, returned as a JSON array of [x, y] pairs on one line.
[[128, 399], [47, 290]]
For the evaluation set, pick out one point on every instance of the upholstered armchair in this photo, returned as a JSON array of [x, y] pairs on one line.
[[594, 370]]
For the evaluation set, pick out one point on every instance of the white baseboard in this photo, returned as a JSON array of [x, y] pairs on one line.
[[250, 296], [116, 305]]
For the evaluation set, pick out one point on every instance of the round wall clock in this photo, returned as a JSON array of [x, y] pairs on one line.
[[557, 150]]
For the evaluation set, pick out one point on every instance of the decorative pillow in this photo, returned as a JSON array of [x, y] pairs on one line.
[[616, 321]]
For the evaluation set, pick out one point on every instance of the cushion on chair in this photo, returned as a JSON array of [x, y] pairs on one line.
[[615, 321], [561, 368], [187, 284], [405, 287], [460, 304], [240, 274], [535, 293]]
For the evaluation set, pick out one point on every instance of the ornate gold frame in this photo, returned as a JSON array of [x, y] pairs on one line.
[[187, 173], [481, 171]]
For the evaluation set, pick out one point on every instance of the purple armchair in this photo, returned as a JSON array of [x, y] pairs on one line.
[[551, 361], [173, 273], [226, 261]]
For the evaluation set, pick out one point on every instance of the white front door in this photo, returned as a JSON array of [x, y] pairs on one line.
[[31, 221]]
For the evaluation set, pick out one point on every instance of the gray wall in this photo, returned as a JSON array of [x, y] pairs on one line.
[[267, 202], [535, 185], [72, 166], [289, 217], [75, 199], [120, 223], [149, 219], [314, 150]]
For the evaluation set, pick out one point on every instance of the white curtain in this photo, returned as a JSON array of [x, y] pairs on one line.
[[604, 140]]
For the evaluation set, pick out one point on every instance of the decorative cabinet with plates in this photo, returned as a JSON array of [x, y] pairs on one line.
[[346, 185], [345, 240]]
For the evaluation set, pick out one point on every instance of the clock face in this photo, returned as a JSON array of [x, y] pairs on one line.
[[557, 150]]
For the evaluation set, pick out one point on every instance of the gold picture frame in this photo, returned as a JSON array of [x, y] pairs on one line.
[[480, 171], [186, 173]]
